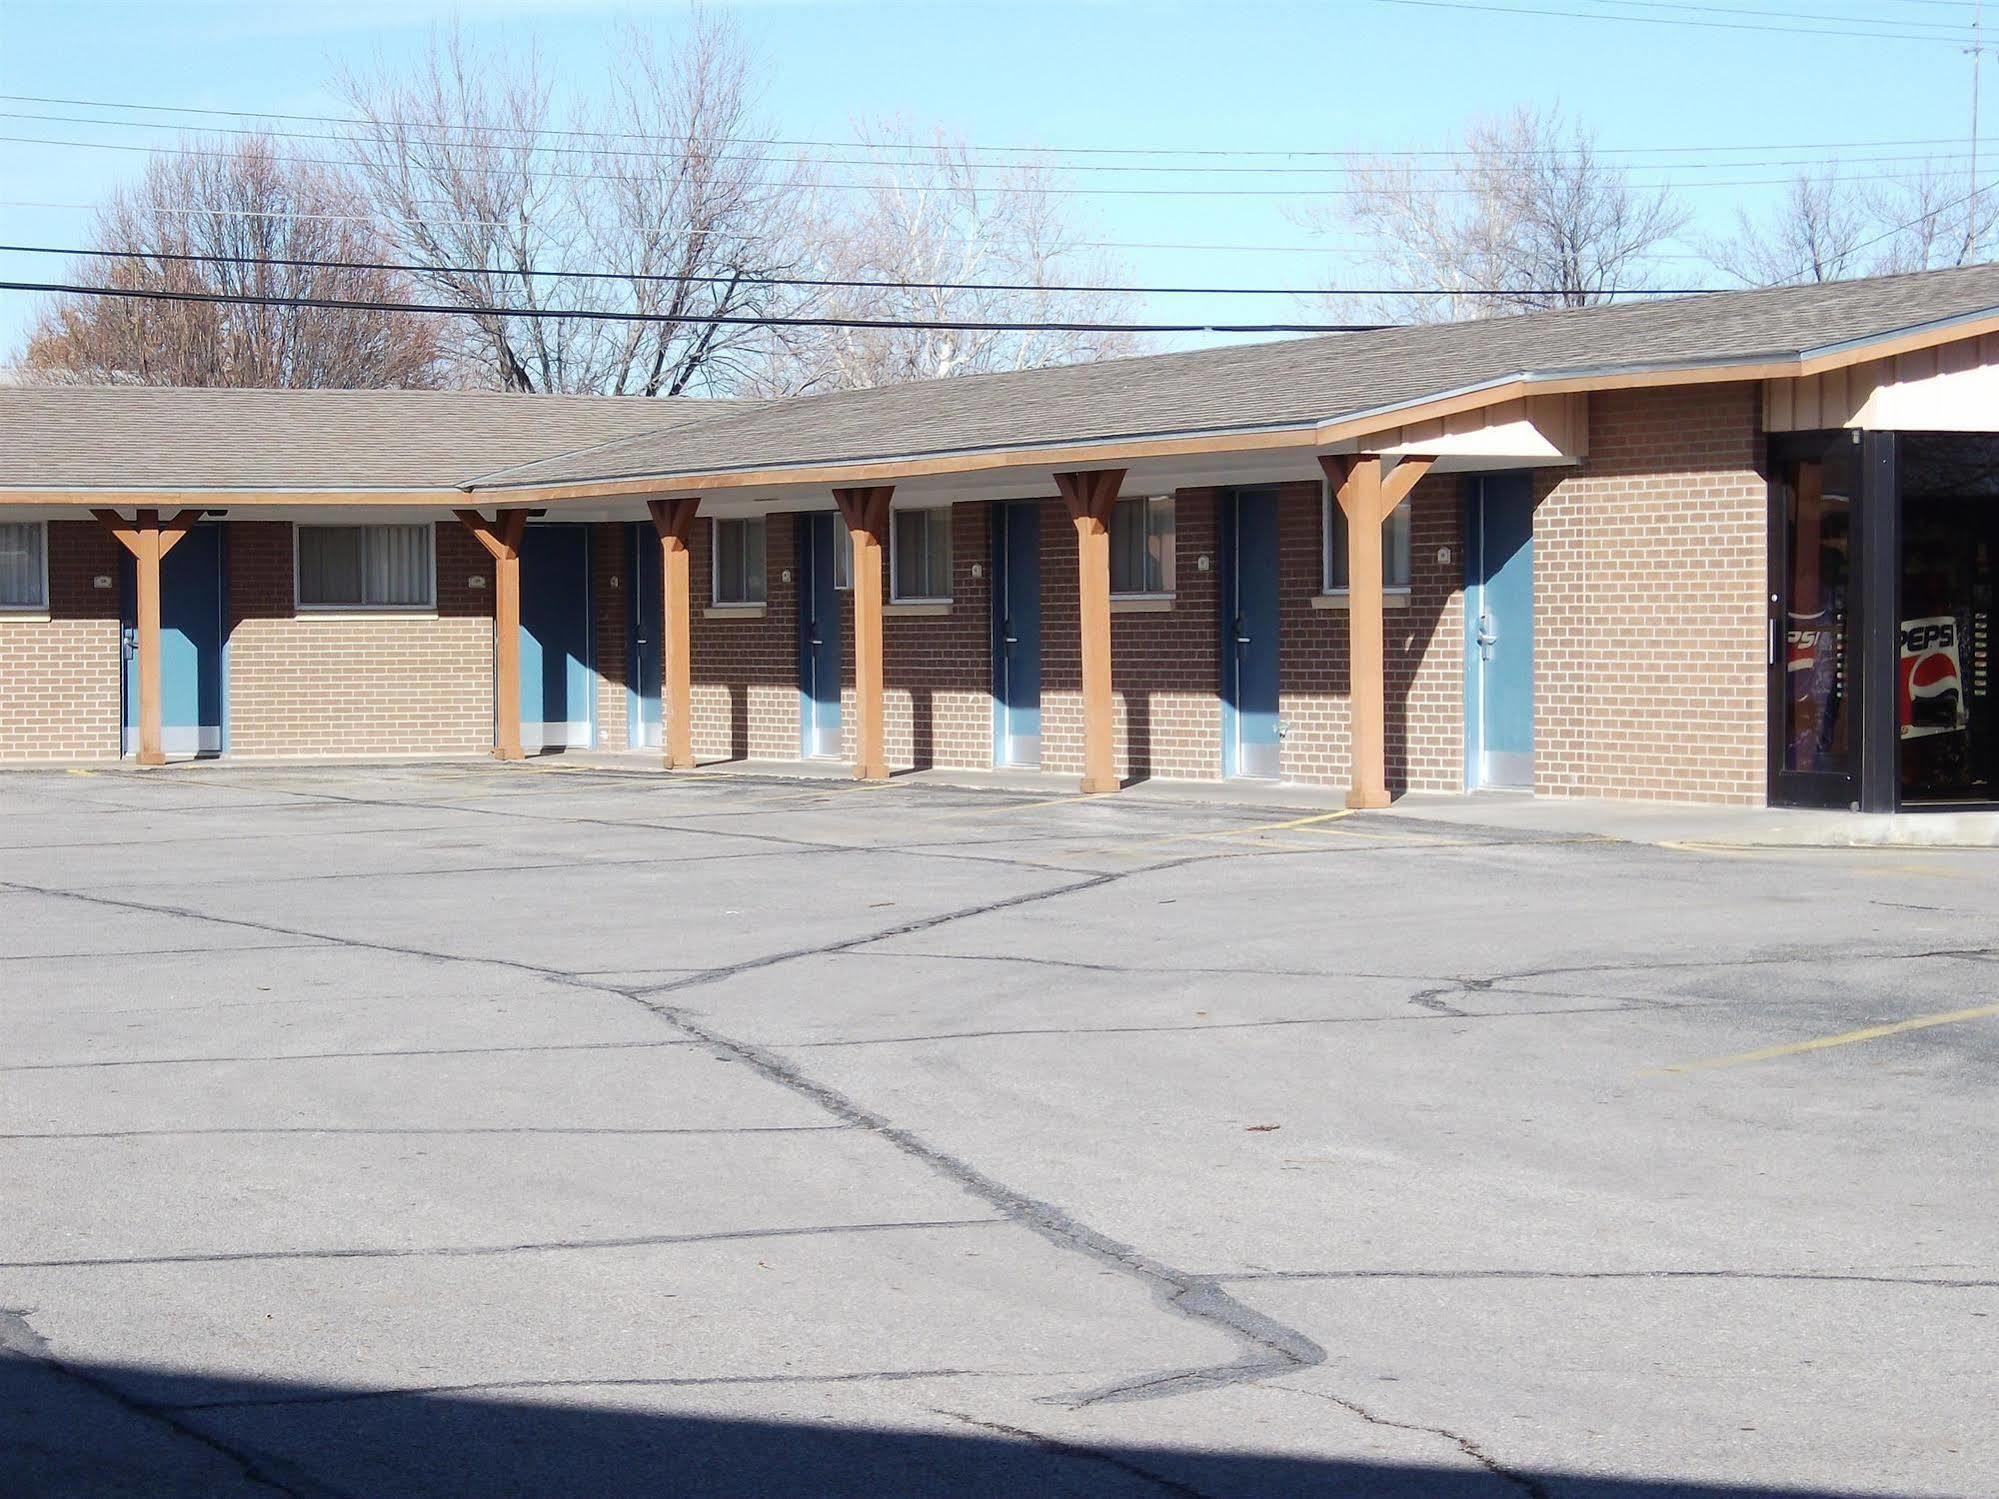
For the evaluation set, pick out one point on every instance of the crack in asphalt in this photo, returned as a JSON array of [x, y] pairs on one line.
[[340, 1056], [18, 1339], [447, 1130], [1076, 1450], [1525, 1483], [481, 1251], [1829, 1277]]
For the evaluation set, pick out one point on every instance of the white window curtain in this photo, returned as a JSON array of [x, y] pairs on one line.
[[22, 574], [365, 567]]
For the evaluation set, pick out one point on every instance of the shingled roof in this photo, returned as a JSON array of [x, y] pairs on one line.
[[152, 437], [1274, 385]]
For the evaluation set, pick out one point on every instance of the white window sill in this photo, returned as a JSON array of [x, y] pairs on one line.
[[1141, 603], [1391, 598], [733, 611], [24, 616], [917, 609], [335, 611]]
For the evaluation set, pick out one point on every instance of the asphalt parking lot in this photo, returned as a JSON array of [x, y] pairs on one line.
[[464, 1130]]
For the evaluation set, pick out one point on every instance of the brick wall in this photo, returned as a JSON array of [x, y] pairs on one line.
[[1165, 667], [317, 684], [611, 565], [937, 669], [60, 691], [745, 666], [1423, 650], [1649, 575]]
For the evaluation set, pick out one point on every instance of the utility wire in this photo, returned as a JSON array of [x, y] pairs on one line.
[[360, 135], [1184, 151], [603, 315], [1105, 192], [529, 272], [1485, 8]]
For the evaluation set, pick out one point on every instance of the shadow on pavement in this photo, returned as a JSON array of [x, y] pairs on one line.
[[70, 1430]]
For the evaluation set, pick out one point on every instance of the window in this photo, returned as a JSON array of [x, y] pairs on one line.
[[843, 558], [24, 577], [1142, 546], [1394, 547], [365, 567], [920, 556], [739, 560]]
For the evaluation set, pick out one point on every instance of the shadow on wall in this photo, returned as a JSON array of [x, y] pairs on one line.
[[93, 1430], [1405, 634]]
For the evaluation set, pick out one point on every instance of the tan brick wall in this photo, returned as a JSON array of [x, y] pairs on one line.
[[1423, 650], [320, 684], [936, 669], [60, 690], [611, 565], [1164, 667], [1649, 574], [745, 669]]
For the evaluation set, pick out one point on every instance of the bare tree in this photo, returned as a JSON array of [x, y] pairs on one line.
[[1528, 216], [1814, 234], [1830, 227], [936, 236], [241, 206], [672, 186]]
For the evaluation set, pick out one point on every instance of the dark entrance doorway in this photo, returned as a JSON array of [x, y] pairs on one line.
[[1947, 739], [1815, 645], [1251, 743], [1017, 633], [818, 638]]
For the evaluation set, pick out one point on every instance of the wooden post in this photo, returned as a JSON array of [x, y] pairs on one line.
[[674, 520], [1367, 499], [501, 537], [1091, 498], [866, 514], [148, 540]]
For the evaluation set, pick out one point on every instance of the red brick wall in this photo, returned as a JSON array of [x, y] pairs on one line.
[[356, 684], [1422, 640], [1649, 575], [60, 689], [745, 667]]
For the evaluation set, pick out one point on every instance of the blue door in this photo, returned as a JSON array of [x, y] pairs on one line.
[[1017, 633], [192, 697], [644, 655], [1250, 745], [557, 683], [818, 639], [1499, 631]]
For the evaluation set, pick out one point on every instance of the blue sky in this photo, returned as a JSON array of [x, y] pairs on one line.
[[1336, 75]]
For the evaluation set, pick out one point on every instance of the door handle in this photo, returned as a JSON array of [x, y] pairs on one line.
[[1487, 635]]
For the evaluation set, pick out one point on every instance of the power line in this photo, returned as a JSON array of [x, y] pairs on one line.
[[1360, 156], [575, 133], [605, 315], [1108, 192], [526, 272], [1485, 8]]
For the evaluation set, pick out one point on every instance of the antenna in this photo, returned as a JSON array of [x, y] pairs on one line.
[[1977, 51]]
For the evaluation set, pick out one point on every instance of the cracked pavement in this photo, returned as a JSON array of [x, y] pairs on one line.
[[476, 1130]]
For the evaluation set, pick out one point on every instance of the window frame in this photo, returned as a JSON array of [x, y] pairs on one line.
[[1328, 507], [33, 610], [299, 604], [928, 512], [1169, 559], [715, 525]]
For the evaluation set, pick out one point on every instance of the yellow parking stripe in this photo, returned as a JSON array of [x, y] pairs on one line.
[[1821, 1043]]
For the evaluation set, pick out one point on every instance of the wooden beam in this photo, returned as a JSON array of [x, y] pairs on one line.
[[866, 514], [501, 537], [1092, 497], [148, 539], [673, 519], [1367, 499]]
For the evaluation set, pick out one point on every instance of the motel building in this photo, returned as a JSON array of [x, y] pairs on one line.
[[1734, 549]]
